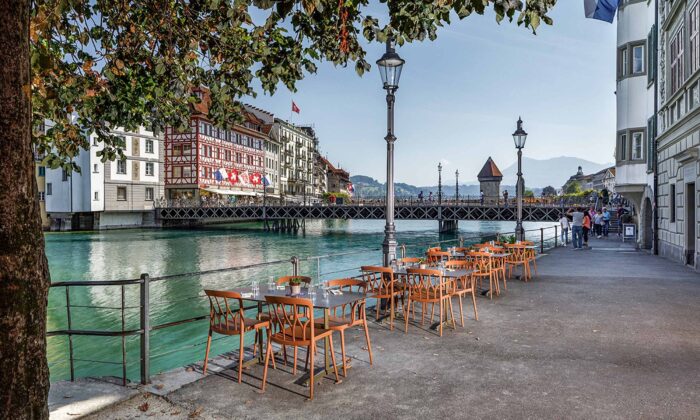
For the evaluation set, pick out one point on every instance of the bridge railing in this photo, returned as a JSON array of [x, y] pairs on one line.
[[152, 317]]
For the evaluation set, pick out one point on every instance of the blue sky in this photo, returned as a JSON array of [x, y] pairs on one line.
[[460, 96]]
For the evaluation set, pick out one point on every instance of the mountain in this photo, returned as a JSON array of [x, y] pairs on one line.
[[368, 187], [555, 171]]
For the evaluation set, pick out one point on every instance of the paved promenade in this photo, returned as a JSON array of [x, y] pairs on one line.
[[602, 333]]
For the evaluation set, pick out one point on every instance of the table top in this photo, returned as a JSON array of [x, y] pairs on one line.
[[333, 301], [448, 273]]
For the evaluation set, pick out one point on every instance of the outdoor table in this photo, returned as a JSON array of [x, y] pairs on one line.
[[319, 302]]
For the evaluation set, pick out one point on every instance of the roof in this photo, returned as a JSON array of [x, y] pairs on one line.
[[333, 169], [490, 170]]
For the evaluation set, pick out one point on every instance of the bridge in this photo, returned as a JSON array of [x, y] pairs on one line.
[[284, 217]]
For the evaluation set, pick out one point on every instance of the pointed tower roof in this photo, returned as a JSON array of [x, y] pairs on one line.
[[490, 171]]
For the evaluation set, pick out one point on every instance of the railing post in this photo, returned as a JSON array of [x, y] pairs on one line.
[[541, 240], [556, 236], [70, 336], [146, 329], [461, 241], [295, 266]]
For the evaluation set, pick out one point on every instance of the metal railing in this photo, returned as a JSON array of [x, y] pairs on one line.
[[146, 313]]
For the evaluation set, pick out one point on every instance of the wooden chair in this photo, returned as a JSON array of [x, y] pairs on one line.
[[227, 317], [483, 264], [464, 285], [409, 260], [294, 322], [531, 255], [518, 257], [348, 316], [428, 286], [285, 279], [432, 249], [499, 264], [381, 284], [435, 257]]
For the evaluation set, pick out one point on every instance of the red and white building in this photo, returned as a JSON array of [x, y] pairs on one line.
[[208, 161]]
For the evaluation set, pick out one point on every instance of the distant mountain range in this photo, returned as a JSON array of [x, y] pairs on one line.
[[537, 173]]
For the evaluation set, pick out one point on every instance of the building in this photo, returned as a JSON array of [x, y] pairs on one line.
[[635, 94], [678, 139], [490, 178], [211, 164], [272, 152], [112, 194], [298, 146], [40, 176], [337, 179], [609, 181]]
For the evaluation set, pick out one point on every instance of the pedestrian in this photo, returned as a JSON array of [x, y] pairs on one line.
[[576, 227], [420, 196], [598, 224], [606, 222], [564, 222], [586, 227], [505, 197], [430, 196], [620, 213], [482, 197]]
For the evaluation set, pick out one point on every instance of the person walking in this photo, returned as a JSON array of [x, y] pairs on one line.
[[482, 198], [620, 213], [505, 198], [564, 222], [606, 222], [586, 227], [577, 228], [598, 224]]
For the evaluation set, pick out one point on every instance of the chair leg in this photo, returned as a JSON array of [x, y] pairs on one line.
[[306, 362], [431, 319], [294, 369], [461, 311], [240, 356], [342, 352], [267, 359], [476, 314], [378, 307], [422, 312], [311, 372], [335, 365], [452, 313], [206, 353], [432, 312], [405, 322], [369, 345], [255, 346], [284, 355], [268, 332]]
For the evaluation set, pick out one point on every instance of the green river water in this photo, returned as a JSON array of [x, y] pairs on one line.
[[125, 254]]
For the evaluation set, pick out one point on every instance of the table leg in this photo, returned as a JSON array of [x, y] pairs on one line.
[[261, 358], [327, 341]]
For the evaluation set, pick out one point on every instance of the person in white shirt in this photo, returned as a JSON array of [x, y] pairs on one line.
[[564, 222]]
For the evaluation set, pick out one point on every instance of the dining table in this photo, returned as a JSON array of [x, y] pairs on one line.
[[325, 300]]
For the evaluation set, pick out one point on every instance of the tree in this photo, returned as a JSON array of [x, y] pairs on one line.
[[572, 187], [93, 65], [549, 190]]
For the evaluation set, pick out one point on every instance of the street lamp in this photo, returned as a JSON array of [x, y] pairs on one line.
[[439, 183], [457, 185], [390, 66], [519, 138]]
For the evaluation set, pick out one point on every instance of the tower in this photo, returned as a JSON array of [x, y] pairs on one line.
[[490, 181]]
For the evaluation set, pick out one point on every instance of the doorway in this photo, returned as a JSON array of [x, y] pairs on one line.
[[690, 226]]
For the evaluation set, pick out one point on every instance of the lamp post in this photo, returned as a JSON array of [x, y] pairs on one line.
[[390, 66], [457, 185], [519, 138], [439, 183]]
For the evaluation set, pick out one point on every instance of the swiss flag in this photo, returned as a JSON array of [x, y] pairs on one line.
[[295, 108], [233, 176], [255, 179]]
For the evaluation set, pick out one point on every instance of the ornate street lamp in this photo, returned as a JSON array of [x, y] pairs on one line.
[[439, 183], [519, 138], [457, 185], [390, 66]]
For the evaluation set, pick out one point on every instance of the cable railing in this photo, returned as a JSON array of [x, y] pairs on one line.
[[155, 318]]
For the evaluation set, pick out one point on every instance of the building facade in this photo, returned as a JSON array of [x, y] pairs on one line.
[[678, 139], [298, 148], [636, 84]]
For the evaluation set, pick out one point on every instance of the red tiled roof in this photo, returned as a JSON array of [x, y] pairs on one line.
[[490, 170]]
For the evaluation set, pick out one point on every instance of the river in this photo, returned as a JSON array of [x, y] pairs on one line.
[[126, 254]]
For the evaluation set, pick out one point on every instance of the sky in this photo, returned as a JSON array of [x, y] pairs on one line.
[[460, 97]]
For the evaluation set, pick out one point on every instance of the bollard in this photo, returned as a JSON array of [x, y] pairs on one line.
[[556, 235], [145, 329], [295, 266], [461, 241], [541, 240]]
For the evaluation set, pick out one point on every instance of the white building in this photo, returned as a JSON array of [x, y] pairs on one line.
[[112, 194], [636, 79], [298, 146]]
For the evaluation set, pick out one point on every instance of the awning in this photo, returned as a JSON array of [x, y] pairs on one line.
[[229, 192]]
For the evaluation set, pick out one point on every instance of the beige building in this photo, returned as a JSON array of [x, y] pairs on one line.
[[298, 148]]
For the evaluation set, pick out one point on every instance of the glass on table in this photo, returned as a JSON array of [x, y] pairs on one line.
[[254, 287], [271, 283]]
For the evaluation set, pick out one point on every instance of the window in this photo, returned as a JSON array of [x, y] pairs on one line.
[[187, 172], [96, 196], [95, 168], [177, 150], [637, 145], [95, 141], [121, 193], [622, 155], [186, 149], [64, 175], [638, 59], [651, 55], [42, 171], [672, 202], [149, 146], [150, 169], [149, 194], [121, 167], [676, 59], [693, 28], [49, 189]]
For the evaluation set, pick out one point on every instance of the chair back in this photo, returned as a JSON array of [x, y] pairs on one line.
[[225, 314], [518, 252], [480, 261], [285, 279], [409, 260], [433, 249], [378, 279], [458, 264], [435, 257], [292, 318], [426, 284], [355, 310]]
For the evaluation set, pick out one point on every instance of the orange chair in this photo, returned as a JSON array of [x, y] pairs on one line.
[[293, 319], [435, 257], [285, 279], [348, 316], [381, 284], [483, 264], [464, 285], [531, 255], [428, 286], [518, 257], [409, 260], [228, 319]]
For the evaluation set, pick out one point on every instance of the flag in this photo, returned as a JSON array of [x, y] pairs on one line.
[[233, 176], [255, 179], [601, 9], [351, 188], [220, 175], [295, 108], [265, 181], [244, 178]]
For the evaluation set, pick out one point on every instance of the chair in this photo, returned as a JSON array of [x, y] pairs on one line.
[[381, 284], [285, 279], [531, 255], [499, 264], [227, 319], [464, 285], [409, 260], [294, 322], [435, 257], [518, 257], [348, 315], [483, 264], [428, 286]]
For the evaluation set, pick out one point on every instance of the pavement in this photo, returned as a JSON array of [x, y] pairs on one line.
[[609, 332]]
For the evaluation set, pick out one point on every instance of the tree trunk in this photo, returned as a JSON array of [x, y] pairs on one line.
[[24, 278]]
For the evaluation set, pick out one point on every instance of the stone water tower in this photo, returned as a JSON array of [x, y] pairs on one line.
[[490, 182]]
